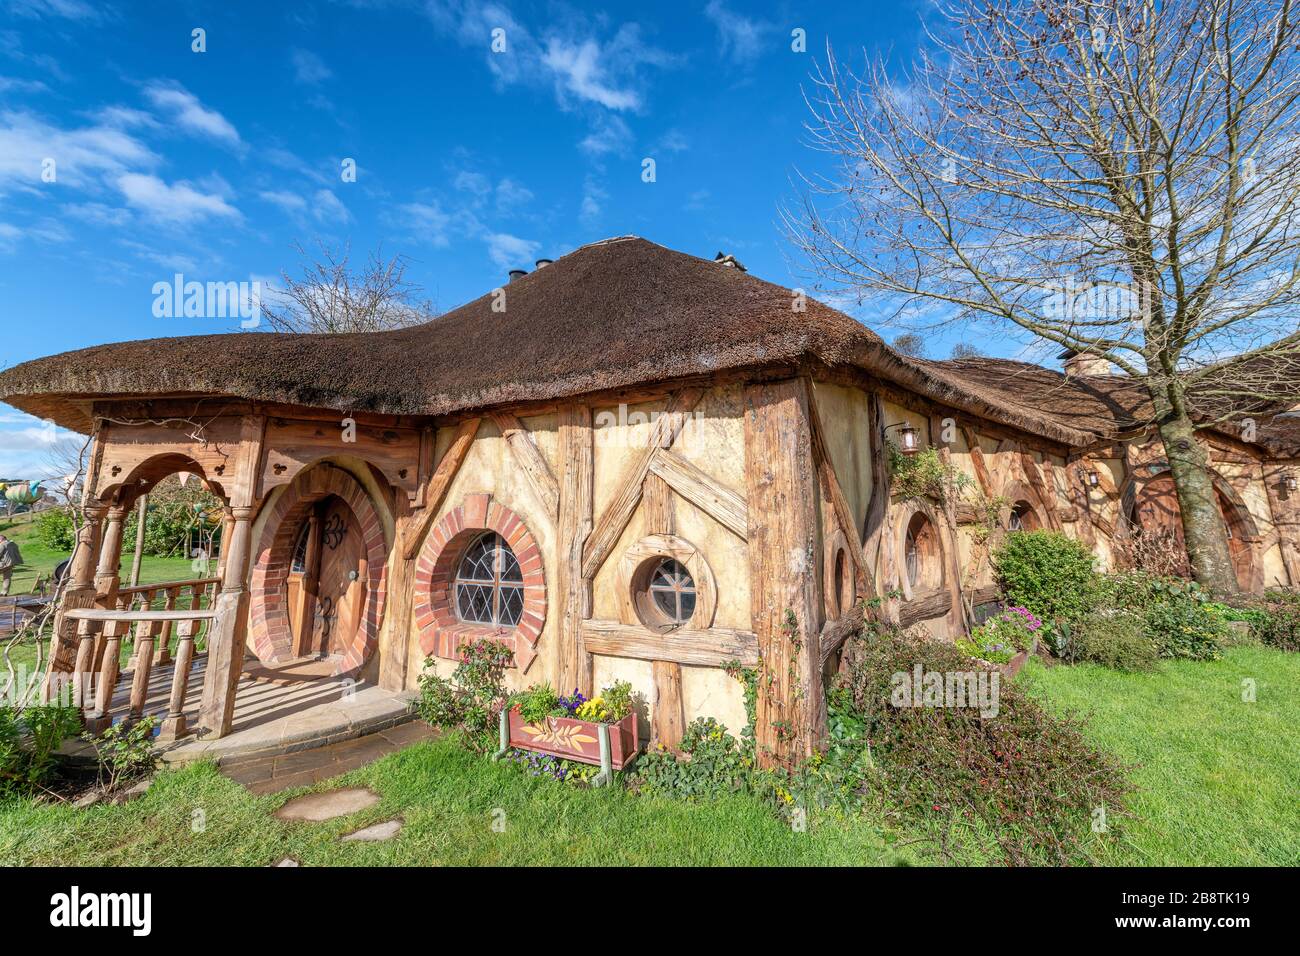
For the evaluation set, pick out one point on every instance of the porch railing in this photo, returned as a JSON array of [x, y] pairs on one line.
[[158, 611]]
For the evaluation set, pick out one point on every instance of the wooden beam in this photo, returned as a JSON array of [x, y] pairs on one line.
[[835, 493], [619, 512], [712, 647], [529, 458], [785, 563], [977, 462], [573, 525], [878, 535], [925, 607], [668, 719], [1036, 482], [835, 633], [438, 485], [724, 505]]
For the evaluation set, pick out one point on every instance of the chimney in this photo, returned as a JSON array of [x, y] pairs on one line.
[[1084, 363], [730, 261], [517, 274], [542, 263]]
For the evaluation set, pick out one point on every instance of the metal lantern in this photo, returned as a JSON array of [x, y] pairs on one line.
[[1289, 481], [1093, 478], [909, 439]]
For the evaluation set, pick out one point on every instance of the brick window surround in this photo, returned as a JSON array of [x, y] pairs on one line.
[[441, 632], [269, 634]]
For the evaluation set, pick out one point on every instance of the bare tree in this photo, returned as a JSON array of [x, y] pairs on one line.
[[330, 297], [964, 350], [1114, 177], [909, 343]]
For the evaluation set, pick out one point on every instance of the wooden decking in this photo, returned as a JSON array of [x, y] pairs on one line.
[[279, 709]]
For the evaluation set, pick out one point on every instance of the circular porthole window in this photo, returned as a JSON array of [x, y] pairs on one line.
[[667, 596]]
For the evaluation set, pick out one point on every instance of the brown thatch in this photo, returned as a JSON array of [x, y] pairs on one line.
[[613, 314]]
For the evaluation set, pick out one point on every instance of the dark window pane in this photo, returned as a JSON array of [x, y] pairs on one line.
[[688, 606], [512, 605]]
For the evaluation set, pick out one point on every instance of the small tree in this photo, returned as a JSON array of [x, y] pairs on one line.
[[1113, 177], [331, 297]]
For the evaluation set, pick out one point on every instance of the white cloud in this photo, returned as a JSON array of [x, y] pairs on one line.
[[308, 68], [184, 108], [593, 200], [511, 194], [68, 9], [289, 202], [579, 71], [609, 134], [27, 445], [742, 39], [178, 204], [329, 208], [427, 221], [472, 182], [98, 213], [511, 252], [81, 156], [12, 84]]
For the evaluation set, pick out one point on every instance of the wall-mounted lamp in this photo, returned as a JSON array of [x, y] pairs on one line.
[[909, 439], [1290, 482], [1092, 477]]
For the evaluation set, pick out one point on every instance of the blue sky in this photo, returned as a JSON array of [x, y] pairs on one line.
[[468, 161]]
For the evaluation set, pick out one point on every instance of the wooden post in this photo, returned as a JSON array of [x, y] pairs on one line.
[[668, 722], [229, 631], [100, 720], [144, 641], [401, 597], [575, 522], [173, 726], [142, 509], [785, 569], [79, 592]]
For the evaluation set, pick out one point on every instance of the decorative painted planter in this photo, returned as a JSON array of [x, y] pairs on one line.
[[573, 739]]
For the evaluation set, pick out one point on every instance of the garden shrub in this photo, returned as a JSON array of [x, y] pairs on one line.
[[714, 764], [1176, 614], [54, 530], [1048, 573], [29, 739], [125, 752], [1026, 780], [1275, 620], [472, 699], [1115, 639]]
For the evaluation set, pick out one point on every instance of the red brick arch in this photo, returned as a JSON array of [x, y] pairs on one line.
[[269, 634], [441, 632]]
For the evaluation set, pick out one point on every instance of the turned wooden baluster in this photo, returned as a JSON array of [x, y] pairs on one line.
[[100, 720], [144, 640], [173, 726], [83, 681], [164, 630]]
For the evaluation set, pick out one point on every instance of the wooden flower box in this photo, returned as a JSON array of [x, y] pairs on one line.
[[572, 739]]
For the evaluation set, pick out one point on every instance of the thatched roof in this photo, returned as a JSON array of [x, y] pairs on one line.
[[613, 314]]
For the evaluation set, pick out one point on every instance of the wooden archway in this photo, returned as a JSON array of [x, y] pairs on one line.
[[270, 636], [1149, 500]]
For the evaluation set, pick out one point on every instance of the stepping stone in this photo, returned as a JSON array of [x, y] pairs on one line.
[[374, 834], [288, 861], [326, 806]]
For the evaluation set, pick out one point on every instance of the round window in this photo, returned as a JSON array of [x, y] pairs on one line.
[[489, 584], [1023, 517], [666, 595]]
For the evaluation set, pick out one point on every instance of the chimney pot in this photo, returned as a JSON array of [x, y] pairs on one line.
[[544, 262], [517, 274]]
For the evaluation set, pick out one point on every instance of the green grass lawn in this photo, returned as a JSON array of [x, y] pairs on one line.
[[38, 559], [1218, 779], [1216, 782], [447, 798]]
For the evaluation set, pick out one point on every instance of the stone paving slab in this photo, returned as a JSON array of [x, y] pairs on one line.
[[318, 807], [303, 768]]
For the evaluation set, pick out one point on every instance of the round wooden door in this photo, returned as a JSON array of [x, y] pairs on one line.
[[341, 585], [1157, 508]]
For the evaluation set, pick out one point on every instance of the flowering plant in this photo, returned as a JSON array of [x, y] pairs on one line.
[[611, 705], [999, 638]]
